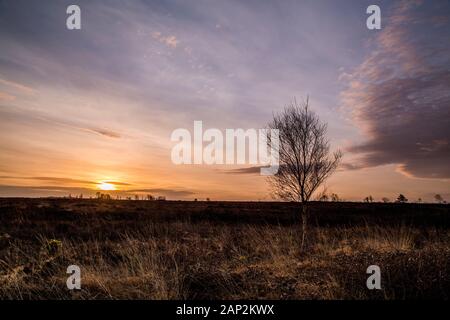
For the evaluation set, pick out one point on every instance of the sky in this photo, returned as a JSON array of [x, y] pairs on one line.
[[79, 108]]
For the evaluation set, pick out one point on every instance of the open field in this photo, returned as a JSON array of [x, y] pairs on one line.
[[221, 250]]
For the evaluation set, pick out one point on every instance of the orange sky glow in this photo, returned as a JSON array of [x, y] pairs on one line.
[[92, 110]]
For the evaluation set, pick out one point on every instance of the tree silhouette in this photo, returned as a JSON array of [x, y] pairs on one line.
[[401, 199], [438, 198], [305, 159], [334, 197]]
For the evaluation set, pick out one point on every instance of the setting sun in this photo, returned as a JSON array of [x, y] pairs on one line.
[[106, 186]]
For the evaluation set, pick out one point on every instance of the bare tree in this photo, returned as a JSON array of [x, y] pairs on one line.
[[321, 195], [334, 197], [438, 198], [401, 199], [304, 156]]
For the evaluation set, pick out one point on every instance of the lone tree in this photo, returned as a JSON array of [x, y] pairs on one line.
[[438, 198], [305, 158], [401, 199], [334, 197]]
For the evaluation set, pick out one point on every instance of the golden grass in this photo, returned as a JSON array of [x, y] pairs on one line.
[[218, 261]]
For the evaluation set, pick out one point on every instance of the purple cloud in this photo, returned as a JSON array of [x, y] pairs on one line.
[[400, 95]]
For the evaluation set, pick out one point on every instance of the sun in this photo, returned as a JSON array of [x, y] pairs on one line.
[[106, 186]]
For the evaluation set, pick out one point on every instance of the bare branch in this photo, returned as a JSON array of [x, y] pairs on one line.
[[304, 153]]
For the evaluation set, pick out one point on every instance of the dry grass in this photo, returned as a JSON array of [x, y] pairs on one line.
[[213, 260]]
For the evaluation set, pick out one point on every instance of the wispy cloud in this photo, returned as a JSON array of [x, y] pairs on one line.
[[105, 132], [17, 86], [49, 179], [170, 40], [63, 180], [400, 95], [118, 183], [6, 97], [34, 115], [41, 191], [246, 170]]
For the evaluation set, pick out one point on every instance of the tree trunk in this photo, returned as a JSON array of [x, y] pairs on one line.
[[304, 224]]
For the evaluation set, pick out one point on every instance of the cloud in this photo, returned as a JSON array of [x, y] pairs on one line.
[[117, 183], [440, 20], [17, 86], [170, 41], [19, 113], [50, 179], [247, 170], [105, 132], [349, 166], [63, 180], [6, 97], [400, 96], [59, 180], [42, 191]]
